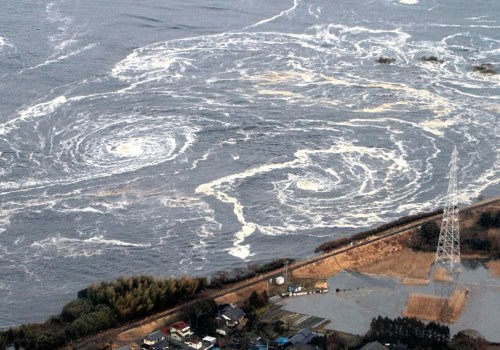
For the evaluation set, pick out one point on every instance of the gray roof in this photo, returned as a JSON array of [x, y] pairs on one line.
[[155, 336], [303, 337], [162, 345], [233, 312], [126, 347], [373, 346]]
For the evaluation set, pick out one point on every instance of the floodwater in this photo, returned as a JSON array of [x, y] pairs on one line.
[[362, 297]]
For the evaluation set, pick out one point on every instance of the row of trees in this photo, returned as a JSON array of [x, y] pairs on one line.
[[331, 245], [107, 304], [409, 331], [427, 239], [101, 306]]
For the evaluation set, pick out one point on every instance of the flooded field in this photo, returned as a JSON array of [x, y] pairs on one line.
[[355, 298]]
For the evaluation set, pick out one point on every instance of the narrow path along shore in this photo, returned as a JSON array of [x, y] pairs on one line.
[[111, 334]]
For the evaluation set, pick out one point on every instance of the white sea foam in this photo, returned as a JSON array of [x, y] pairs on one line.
[[74, 247], [312, 212], [63, 57], [281, 14]]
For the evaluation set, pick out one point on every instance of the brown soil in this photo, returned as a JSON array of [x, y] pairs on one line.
[[140, 332], [360, 257], [407, 264], [494, 267], [242, 294], [433, 308]]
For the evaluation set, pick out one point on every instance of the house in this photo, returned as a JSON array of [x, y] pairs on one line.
[[294, 288], [233, 315], [154, 338], [193, 342], [208, 342], [161, 345], [180, 331], [304, 336], [280, 280]]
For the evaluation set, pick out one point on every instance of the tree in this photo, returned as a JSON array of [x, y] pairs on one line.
[[201, 312], [486, 219], [75, 308], [3, 341], [430, 232], [257, 300]]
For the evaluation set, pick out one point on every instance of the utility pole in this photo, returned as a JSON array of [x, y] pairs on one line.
[[286, 271], [448, 249]]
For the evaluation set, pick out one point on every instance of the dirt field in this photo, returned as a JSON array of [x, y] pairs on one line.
[[433, 308], [390, 257], [412, 267], [241, 295], [140, 332]]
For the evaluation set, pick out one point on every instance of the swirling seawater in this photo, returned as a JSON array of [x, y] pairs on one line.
[[189, 137]]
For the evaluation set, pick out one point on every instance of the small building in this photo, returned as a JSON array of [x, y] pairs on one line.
[[304, 336], [180, 331], [208, 342], [162, 345], [222, 330], [193, 342], [295, 288], [233, 315], [280, 280], [154, 338]]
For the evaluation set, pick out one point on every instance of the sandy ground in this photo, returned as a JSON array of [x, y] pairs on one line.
[[494, 268]]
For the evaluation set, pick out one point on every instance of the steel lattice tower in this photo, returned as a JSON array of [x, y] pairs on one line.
[[448, 250]]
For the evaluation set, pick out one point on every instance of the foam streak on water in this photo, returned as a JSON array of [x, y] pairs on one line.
[[182, 138]]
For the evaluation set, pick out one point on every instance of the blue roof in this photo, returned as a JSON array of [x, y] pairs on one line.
[[282, 340]]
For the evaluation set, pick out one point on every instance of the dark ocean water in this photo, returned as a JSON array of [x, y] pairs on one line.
[[187, 137]]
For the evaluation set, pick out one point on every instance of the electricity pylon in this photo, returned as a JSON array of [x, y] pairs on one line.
[[448, 250]]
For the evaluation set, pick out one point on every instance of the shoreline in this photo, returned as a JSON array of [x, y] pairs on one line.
[[300, 269]]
